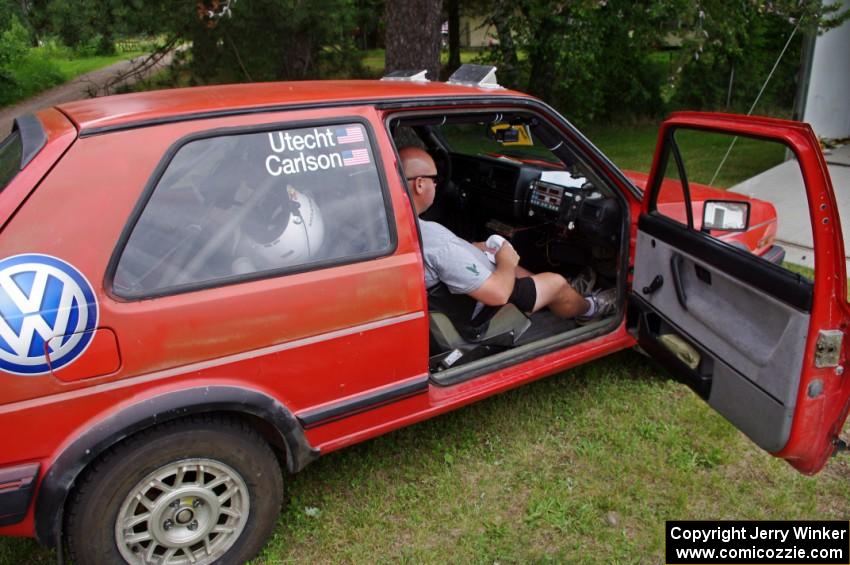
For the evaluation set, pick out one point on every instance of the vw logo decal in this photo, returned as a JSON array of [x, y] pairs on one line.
[[42, 298]]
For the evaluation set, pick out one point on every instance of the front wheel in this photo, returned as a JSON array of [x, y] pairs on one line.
[[201, 490]]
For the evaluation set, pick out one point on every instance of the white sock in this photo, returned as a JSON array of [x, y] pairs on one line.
[[591, 306]]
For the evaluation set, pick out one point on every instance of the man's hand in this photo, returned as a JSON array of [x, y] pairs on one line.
[[507, 255]]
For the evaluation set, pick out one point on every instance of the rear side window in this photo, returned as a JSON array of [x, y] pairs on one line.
[[246, 205], [11, 150]]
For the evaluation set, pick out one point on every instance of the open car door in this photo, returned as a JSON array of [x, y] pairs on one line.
[[764, 346]]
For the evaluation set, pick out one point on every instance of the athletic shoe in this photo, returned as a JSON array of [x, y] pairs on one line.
[[584, 282], [606, 304]]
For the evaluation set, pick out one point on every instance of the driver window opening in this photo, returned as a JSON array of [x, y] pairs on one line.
[[512, 175], [745, 192]]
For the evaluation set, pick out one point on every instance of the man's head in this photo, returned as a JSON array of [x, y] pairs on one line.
[[421, 174]]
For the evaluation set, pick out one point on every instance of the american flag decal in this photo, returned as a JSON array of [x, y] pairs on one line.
[[355, 157], [351, 134]]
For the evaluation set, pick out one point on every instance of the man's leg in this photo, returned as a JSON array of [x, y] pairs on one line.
[[554, 291]]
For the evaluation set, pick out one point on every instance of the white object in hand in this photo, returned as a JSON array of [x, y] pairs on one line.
[[494, 243]]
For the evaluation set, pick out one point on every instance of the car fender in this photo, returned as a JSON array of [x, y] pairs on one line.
[[75, 457]]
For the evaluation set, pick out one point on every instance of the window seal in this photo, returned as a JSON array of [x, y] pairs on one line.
[[33, 137], [671, 147]]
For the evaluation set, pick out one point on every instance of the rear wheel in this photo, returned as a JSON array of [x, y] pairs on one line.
[[200, 490]]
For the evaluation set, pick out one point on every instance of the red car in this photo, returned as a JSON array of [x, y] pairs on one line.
[[202, 287]]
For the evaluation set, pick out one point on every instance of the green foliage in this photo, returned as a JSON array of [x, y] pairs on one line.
[[87, 26], [9, 10], [588, 58], [23, 71], [739, 47], [14, 44], [739, 42], [26, 71], [94, 46], [91, 27], [277, 39], [74, 66], [31, 75], [629, 77], [596, 60], [248, 41]]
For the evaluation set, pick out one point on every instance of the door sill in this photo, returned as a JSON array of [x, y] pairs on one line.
[[517, 355]]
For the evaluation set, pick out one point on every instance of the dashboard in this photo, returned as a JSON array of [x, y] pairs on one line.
[[526, 195]]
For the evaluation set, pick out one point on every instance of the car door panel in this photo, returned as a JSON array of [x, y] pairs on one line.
[[735, 326], [748, 327], [743, 332]]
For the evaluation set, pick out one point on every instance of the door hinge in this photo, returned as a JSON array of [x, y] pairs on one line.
[[828, 348]]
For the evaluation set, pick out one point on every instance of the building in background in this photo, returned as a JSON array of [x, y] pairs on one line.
[[824, 96], [476, 32]]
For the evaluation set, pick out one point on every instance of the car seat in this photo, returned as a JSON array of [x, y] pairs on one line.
[[459, 335]]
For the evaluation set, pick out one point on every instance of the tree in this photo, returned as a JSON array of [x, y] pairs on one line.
[[586, 57], [413, 36], [596, 59], [504, 53], [733, 46], [370, 23], [453, 15]]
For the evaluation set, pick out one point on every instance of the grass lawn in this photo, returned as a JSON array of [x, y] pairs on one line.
[[373, 60], [629, 146], [584, 466], [632, 147]]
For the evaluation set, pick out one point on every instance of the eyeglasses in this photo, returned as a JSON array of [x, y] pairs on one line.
[[434, 178]]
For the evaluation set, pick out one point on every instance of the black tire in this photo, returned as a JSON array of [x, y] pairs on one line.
[[198, 452]]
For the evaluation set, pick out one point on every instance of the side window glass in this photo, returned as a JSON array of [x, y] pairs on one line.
[[273, 201], [748, 193]]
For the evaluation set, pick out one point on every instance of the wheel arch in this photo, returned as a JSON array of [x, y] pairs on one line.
[[264, 413]]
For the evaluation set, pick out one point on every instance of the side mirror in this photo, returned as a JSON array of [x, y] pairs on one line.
[[727, 215]]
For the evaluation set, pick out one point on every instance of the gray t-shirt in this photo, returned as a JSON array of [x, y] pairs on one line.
[[451, 260]]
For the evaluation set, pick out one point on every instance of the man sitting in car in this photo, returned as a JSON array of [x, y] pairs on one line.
[[465, 268]]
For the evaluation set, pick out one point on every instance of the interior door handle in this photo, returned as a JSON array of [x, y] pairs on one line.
[[654, 285], [676, 268]]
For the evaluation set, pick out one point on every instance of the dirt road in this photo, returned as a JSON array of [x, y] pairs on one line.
[[80, 87]]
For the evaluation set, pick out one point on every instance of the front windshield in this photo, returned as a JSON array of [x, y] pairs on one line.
[[479, 139]]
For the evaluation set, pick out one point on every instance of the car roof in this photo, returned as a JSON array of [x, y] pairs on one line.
[[142, 108]]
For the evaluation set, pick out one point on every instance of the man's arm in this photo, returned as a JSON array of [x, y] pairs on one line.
[[497, 289]]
